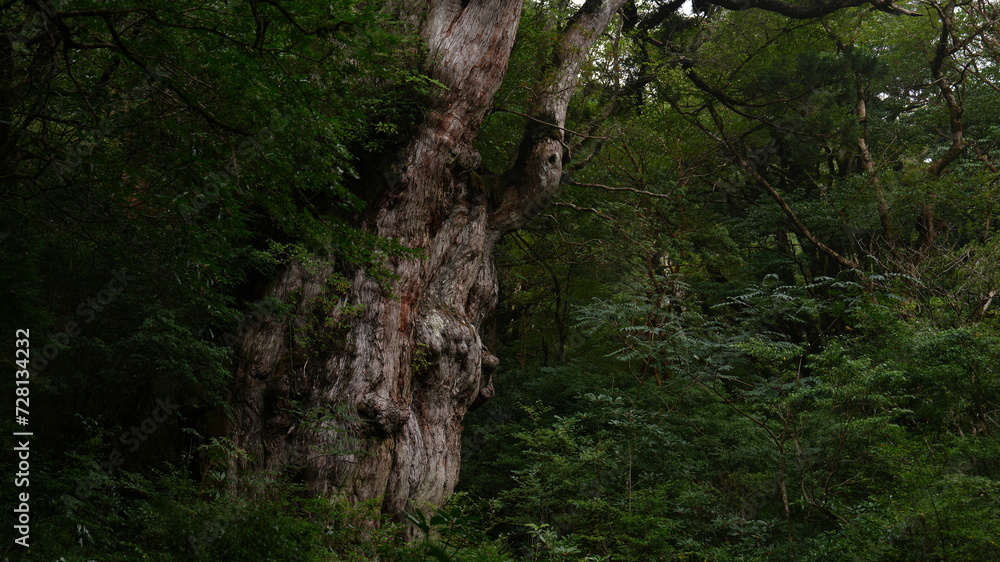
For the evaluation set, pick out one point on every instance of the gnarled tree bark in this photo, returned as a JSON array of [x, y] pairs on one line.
[[370, 404]]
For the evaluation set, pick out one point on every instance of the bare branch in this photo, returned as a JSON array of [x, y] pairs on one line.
[[792, 216], [629, 189], [537, 120]]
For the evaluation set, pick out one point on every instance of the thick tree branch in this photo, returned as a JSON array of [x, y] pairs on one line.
[[812, 10], [533, 179], [659, 15]]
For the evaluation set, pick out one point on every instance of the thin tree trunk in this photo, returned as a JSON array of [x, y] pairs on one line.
[[868, 165], [927, 223]]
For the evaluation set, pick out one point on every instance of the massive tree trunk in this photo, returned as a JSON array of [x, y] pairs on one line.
[[362, 393]]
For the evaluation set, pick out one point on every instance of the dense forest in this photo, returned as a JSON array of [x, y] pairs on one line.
[[616, 280]]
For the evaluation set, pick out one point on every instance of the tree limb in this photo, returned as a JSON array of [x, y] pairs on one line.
[[812, 10], [537, 120], [629, 189], [947, 89], [792, 216]]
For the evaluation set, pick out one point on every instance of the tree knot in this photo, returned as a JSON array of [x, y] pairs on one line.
[[385, 416]]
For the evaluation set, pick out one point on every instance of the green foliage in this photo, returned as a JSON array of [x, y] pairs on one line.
[[755, 447], [746, 346], [732, 391], [128, 516]]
